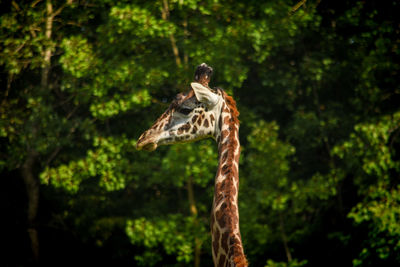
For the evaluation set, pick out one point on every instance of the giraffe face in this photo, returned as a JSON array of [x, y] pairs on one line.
[[190, 117]]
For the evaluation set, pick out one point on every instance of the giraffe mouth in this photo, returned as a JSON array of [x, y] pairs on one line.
[[148, 146]]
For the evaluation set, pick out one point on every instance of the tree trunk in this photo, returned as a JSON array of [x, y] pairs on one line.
[[284, 238], [32, 191], [175, 49], [30, 180], [193, 211], [47, 52]]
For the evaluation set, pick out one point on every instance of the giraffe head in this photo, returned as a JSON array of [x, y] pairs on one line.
[[201, 113], [190, 117]]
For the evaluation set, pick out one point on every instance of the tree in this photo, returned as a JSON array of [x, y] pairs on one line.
[[30, 123], [369, 156]]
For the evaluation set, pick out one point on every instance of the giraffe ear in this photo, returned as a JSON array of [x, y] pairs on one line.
[[204, 95]]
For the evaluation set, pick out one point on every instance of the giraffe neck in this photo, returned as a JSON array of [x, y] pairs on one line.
[[226, 239]]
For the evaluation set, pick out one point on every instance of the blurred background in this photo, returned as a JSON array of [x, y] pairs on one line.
[[317, 86]]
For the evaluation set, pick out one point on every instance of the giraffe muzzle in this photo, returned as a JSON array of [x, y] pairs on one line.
[[147, 141], [147, 147]]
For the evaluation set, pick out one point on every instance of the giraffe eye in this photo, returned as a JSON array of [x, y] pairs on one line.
[[185, 111]]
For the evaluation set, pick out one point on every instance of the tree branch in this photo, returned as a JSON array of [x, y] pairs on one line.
[[165, 16], [35, 3], [193, 211], [297, 6], [284, 238], [15, 5]]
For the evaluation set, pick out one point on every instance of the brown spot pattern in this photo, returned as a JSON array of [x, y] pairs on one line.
[[194, 130], [224, 241], [225, 191], [194, 118], [221, 262], [227, 120], [216, 242], [185, 128], [224, 134], [221, 215], [233, 191], [212, 119], [212, 219], [224, 156]]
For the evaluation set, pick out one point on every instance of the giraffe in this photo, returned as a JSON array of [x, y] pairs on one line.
[[200, 113]]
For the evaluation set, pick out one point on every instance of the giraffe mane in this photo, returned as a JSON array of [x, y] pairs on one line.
[[232, 106]]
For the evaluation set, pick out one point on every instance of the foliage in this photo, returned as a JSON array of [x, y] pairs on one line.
[[294, 263], [369, 154], [167, 232]]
